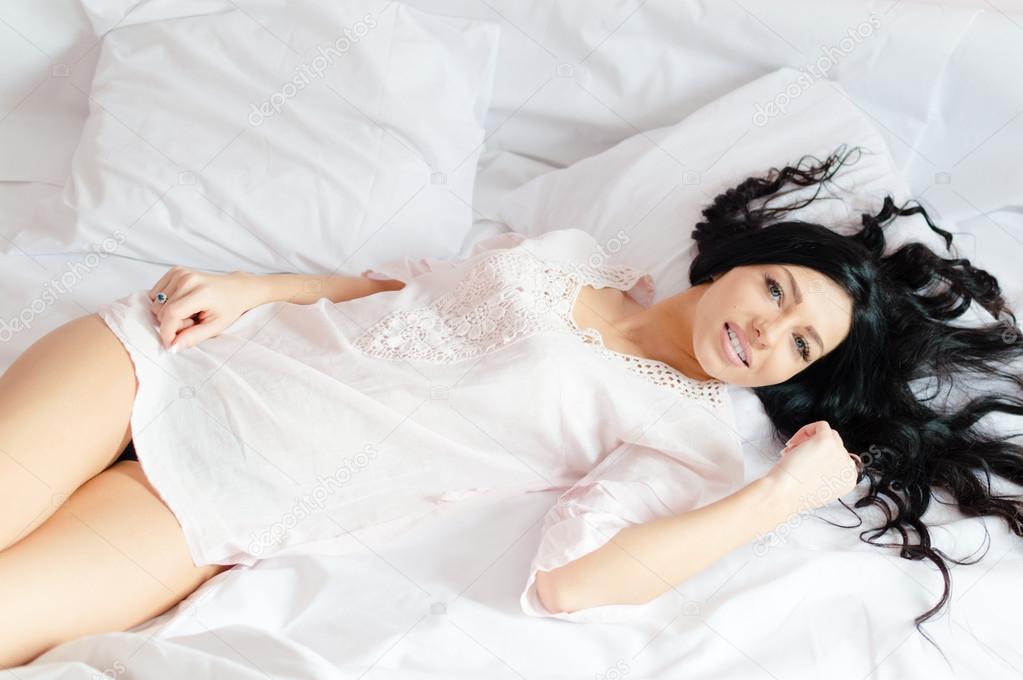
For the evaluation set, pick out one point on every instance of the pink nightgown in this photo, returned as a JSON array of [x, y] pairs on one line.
[[302, 427]]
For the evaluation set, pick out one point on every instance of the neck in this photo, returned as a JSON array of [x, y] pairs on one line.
[[664, 331]]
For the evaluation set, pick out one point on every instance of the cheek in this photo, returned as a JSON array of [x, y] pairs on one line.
[[736, 301], [785, 364], [775, 369], [726, 297]]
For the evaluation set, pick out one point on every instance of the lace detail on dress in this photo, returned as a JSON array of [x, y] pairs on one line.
[[505, 296], [508, 295], [660, 373]]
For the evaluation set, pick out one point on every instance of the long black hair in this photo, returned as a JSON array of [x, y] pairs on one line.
[[868, 388]]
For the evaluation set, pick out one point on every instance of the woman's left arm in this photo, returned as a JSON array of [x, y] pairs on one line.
[[645, 560]]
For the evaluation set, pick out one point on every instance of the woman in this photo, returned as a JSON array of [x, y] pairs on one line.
[[275, 414]]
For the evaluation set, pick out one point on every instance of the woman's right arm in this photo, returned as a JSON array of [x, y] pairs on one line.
[[304, 289], [200, 305]]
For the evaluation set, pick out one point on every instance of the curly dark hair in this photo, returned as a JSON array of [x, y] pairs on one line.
[[864, 389]]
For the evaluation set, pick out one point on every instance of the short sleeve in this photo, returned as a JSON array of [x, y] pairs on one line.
[[406, 268], [636, 483]]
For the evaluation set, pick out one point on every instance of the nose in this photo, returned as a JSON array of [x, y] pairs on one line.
[[763, 333]]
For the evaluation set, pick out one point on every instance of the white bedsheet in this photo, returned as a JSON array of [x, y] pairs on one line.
[[443, 600]]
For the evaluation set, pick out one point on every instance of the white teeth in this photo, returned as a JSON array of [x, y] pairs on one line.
[[736, 345]]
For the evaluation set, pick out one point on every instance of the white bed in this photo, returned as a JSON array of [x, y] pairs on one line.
[[443, 600]]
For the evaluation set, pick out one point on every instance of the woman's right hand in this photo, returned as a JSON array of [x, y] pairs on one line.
[[199, 305], [815, 468]]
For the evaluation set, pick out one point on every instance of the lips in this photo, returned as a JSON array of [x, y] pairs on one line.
[[726, 348], [742, 341]]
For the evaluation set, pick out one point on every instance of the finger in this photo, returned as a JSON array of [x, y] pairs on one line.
[[185, 323], [190, 337], [796, 434], [181, 327], [158, 286], [821, 429], [176, 321], [198, 318], [801, 435], [166, 286], [177, 289], [170, 289], [175, 314]]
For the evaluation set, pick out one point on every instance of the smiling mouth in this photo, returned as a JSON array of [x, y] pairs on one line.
[[736, 345]]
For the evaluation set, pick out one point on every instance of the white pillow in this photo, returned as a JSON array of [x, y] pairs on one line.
[[642, 198], [276, 136]]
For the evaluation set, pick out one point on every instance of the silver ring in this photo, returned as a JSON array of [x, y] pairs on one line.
[[161, 297]]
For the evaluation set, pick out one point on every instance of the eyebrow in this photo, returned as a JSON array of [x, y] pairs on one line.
[[799, 299]]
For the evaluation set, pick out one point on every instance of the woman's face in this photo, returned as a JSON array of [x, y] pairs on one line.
[[785, 317]]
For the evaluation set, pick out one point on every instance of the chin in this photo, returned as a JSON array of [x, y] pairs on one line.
[[740, 381], [733, 375], [714, 367]]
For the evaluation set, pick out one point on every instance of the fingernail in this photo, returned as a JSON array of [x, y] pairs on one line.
[[173, 349]]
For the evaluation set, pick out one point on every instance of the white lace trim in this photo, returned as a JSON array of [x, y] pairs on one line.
[[508, 295], [660, 373]]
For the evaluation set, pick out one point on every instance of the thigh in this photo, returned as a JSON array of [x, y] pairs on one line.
[[65, 409], [110, 558]]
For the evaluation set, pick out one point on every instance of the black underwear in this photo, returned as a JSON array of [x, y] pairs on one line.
[[128, 453]]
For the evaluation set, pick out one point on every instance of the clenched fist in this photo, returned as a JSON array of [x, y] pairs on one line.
[[815, 468]]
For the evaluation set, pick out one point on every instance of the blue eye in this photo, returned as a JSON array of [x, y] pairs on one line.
[[804, 348]]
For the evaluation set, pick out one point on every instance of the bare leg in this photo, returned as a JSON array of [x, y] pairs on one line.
[[110, 558], [65, 405]]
